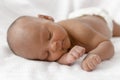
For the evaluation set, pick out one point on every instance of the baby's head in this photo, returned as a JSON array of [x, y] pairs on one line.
[[38, 38]]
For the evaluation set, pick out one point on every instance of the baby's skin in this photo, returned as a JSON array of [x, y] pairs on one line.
[[40, 38], [75, 53]]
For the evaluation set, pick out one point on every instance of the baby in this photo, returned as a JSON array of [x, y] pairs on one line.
[[40, 38]]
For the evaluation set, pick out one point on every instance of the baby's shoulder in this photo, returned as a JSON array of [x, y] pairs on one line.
[[78, 29]]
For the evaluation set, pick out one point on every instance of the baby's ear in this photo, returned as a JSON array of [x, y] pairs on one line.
[[46, 17]]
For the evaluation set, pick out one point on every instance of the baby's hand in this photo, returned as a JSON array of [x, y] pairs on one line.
[[90, 62], [75, 53]]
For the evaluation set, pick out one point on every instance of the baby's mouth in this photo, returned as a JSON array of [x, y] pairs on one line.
[[66, 44], [63, 45], [59, 45]]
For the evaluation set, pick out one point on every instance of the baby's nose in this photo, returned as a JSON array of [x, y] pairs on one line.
[[55, 46]]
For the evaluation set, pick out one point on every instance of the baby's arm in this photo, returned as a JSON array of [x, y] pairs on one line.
[[70, 57], [103, 51]]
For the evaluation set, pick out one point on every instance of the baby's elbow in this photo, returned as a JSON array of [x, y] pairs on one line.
[[111, 49]]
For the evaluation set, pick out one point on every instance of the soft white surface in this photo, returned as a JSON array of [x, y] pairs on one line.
[[16, 68]]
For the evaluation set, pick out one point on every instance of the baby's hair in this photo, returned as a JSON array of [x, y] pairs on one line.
[[9, 31]]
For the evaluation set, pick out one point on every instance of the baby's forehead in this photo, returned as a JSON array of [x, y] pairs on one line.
[[25, 25], [32, 25], [26, 19]]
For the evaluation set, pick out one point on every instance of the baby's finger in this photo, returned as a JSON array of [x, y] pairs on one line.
[[71, 59]]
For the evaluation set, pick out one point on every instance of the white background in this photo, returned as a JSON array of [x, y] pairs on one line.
[[16, 68]]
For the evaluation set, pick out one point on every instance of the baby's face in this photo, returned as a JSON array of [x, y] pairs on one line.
[[41, 39]]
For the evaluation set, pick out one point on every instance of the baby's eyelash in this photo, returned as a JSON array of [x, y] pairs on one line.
[[48, 52], [50, 35]]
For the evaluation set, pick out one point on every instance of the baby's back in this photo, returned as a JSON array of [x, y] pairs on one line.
[[87, 31]]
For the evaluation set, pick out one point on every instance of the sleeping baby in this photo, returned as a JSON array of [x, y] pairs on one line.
[[86, 31]]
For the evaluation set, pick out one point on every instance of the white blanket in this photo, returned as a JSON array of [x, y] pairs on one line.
[[13, 67]]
